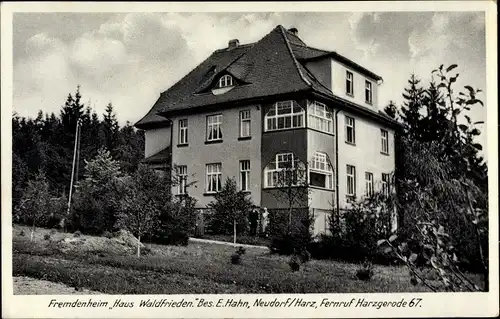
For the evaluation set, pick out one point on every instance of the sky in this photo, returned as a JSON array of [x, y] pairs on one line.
[[130, 58]]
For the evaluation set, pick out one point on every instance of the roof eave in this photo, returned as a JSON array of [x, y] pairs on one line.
[[359, 109], [205, 107]]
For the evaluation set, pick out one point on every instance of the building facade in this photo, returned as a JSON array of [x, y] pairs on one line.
[[274, 114]]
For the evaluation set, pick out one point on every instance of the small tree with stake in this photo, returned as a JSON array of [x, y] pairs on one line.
[[293, 191], [138, 211], [230, 209], [34, 206]]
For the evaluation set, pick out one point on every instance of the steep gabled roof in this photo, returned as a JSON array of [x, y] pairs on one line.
[[274, 65], [162, 157]]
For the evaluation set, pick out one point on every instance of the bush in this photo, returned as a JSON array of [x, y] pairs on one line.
[[365, 272], [107, 234], [77, 234], [294, 263], [22, 233], [46, 237], [293, 239]]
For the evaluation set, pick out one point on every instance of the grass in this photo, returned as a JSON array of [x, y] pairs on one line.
[[248, 240], [197, 268]]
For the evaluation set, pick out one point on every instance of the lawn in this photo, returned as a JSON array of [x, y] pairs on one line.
[[196, 268]]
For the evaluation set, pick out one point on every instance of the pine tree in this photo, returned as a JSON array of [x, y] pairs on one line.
[[412, 106], [110, 130]]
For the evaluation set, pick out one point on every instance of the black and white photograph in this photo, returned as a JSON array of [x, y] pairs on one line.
[[259, 159]]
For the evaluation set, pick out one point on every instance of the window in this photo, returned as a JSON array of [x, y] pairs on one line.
[[351, 182], [385, 184], [225, 81], [182, 176], [350, 130], [283, 115], [320, 171], [320, 118], [183, 131], [368, 92], [245, 175], [385, 141], [245, 122], [214, 127], [349, 83], [369, 184], [214, 178], [284, 170]]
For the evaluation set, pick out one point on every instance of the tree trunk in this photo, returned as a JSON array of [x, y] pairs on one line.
[[234, 231], [138, 246]]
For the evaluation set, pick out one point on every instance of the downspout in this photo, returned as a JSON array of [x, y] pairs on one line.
[[337, 165]]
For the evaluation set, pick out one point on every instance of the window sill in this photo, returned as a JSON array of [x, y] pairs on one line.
[[213, 142], [244, 138], [369, 103], [320, 131], [182, 145], [209, 194], [284, 129], [321, 188], [349, 94], [384, 153], [277, 187], [350, 143], [246, 192], [181, 195]]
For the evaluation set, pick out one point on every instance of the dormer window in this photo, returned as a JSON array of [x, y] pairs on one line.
[[225, 81]]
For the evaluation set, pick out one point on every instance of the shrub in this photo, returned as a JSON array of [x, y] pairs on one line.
[[230, 209], [77, 234], [107, 234], [21, 233], [235, 259], [290, 239], [46, 237], [365, 272], [294, 263]]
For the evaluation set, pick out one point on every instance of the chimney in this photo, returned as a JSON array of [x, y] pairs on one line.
[[293, 31], [233, 44]]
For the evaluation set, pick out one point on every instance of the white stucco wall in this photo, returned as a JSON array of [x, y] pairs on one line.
[[156, 140], [338, 83], [366, 155], [229, 153]]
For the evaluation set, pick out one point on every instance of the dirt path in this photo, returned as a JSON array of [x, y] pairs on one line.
[[31, 286]]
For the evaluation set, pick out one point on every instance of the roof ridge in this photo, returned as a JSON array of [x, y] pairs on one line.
[[312, 48], [295, 62], [239, 46]]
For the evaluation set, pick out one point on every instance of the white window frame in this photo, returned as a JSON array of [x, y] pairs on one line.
[[214, 125], [182, 179], [350, 179], [245, 121], [349, 83], [290, 120], [320, 118], [320, 164], [273, 169], [386, 181], [350, 122], [368, 92], [245, 175], [225, 81], [369, 184], [213, 174], [183, 131], [384, 136]]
